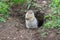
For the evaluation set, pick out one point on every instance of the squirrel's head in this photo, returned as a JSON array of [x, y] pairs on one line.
[[30, 14]]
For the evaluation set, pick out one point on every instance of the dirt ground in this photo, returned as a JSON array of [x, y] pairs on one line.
[[14, 28]]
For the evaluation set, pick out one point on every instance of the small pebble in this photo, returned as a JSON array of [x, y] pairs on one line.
[[21, 36], [14, 38], [44, 2], [8, 37]]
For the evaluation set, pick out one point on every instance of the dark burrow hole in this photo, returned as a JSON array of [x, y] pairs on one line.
[[40, 17]]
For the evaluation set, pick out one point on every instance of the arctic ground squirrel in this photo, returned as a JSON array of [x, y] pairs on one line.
[[30, 19]]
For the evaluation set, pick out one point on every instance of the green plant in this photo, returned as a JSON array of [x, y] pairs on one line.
[[19, 1], [33, 4], [54, 18], [3, 11], [52, 24], [55, 6]]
